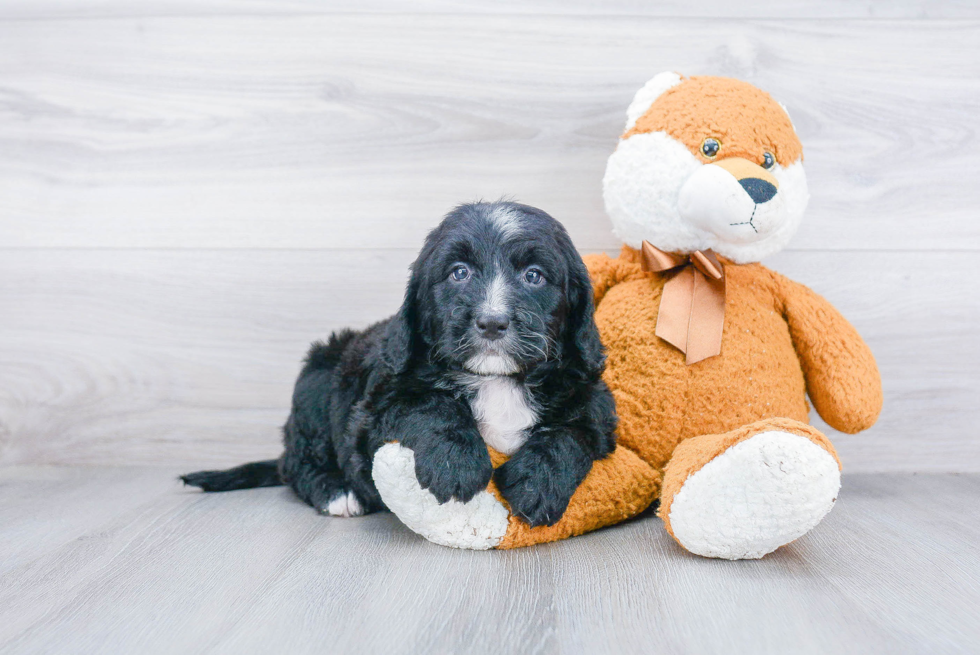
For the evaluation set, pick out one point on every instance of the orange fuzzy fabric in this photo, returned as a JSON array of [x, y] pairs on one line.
[[620, 486], [743, 118], [780, 342]]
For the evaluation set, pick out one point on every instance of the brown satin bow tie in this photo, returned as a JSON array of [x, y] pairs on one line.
[[692, 305]]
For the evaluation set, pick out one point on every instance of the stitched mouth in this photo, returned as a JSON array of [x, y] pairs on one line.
[[750, 221]]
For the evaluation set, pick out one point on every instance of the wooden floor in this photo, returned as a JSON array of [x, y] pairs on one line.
[[126, 561]]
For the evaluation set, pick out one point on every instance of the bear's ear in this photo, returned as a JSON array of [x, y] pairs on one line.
[[787, 115], [648, 94]]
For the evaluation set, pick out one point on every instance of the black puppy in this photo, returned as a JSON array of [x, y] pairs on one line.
[[495, 344]]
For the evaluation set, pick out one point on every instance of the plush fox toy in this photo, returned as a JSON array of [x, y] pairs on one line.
[[711, 356]]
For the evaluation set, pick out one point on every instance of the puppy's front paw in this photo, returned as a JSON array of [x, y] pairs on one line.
[[536, 493], [453, 469]]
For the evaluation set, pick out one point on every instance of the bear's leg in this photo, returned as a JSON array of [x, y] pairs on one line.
[[745, 493], [617, 488], [478, 525]]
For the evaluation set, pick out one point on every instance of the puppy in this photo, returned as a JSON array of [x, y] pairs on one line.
[[495, 345]]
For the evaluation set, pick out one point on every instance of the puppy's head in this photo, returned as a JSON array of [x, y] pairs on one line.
[[497, 289]]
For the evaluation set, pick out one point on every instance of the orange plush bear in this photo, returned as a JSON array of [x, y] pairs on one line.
[[710, 354]]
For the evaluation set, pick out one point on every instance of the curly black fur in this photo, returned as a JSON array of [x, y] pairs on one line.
[[411, 377]]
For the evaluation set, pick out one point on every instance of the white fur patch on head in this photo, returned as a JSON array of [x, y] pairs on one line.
[[656, 190], [495, 301], [345, 505], [502, 412], [477, 525], [758, 495], [648, 94], [492, 360], [506, 221]]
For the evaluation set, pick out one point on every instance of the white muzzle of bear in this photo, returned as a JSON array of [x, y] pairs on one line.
[[734, 199]]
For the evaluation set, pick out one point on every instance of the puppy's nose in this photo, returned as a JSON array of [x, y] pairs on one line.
[[492, 326], [759, 190]]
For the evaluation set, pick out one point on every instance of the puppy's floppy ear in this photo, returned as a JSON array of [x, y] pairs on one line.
[[402, 334], [582, 339]]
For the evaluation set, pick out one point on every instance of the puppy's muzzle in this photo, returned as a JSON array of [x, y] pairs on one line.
[[492, 326]]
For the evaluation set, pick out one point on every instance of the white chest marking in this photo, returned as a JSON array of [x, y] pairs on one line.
[[502, 412]]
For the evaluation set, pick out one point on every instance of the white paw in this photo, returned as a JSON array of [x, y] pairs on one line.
[[758, 495], [345, 505], [478, 525]]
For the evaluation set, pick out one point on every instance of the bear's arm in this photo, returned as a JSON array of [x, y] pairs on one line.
[[842, 378], [607, 272]]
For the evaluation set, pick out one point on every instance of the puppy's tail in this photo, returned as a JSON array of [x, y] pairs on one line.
[[246, 476]]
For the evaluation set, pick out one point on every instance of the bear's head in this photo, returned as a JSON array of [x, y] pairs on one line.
[[706, 162]]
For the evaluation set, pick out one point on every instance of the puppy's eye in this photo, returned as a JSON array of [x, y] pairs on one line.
[[533, 276], [459, 273], [710, 147], [768, 161]]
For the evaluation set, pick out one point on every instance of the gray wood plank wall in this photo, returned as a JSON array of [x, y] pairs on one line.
[[191, 192]]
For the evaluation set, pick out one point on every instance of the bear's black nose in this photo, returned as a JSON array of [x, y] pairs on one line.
[[759, 190], [492, 326]]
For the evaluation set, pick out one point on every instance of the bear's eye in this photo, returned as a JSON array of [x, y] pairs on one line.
[[768, 161], [710, 147]]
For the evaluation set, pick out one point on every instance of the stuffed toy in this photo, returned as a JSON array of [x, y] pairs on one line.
[[710, 355]]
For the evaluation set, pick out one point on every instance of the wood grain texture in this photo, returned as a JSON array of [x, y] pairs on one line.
[[145, 357], [130, 354], [893, 569], [358, 131], [191, 192], [59, 9]]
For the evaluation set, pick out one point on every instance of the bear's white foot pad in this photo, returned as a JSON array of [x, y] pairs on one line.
[[758, 495], [477, 525]]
